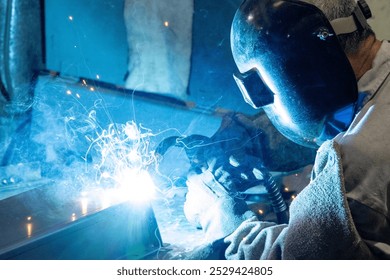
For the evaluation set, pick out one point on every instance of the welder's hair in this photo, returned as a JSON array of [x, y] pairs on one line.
[[343, 8]]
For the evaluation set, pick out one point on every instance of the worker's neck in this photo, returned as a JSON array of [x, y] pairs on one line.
[[362, 59]]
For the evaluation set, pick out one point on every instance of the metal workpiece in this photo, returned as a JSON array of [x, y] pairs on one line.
[[48, 223]]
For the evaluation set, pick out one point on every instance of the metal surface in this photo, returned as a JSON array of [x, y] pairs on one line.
[[47, 223]]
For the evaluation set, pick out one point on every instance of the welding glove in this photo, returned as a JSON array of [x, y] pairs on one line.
[[238, 136], [210, 205], [215, 201], [232, 153]]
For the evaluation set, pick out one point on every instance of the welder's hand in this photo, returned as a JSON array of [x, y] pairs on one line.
[[233, 153], [211, 207], [239, 136]]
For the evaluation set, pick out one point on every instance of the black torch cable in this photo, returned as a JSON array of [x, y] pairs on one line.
[[278, 204]]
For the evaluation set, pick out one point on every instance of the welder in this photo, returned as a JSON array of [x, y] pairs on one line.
[[321, 76]]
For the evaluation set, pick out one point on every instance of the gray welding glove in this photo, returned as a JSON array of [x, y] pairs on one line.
[[212, 207], [233, 152], [215, 201]]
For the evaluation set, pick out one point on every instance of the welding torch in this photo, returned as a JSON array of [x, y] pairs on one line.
[[197, 148]]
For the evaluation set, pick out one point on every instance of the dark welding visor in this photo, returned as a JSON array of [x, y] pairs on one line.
[[253, 89]]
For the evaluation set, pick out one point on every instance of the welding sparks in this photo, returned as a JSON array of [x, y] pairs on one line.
[[121, 159], [116, 160]]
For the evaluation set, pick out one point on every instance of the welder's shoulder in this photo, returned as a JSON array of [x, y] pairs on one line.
[[321, 225]]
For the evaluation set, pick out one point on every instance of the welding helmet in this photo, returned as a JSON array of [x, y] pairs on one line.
[[292, 65]]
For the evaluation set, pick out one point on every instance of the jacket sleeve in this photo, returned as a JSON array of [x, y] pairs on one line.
[[320, 226]]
